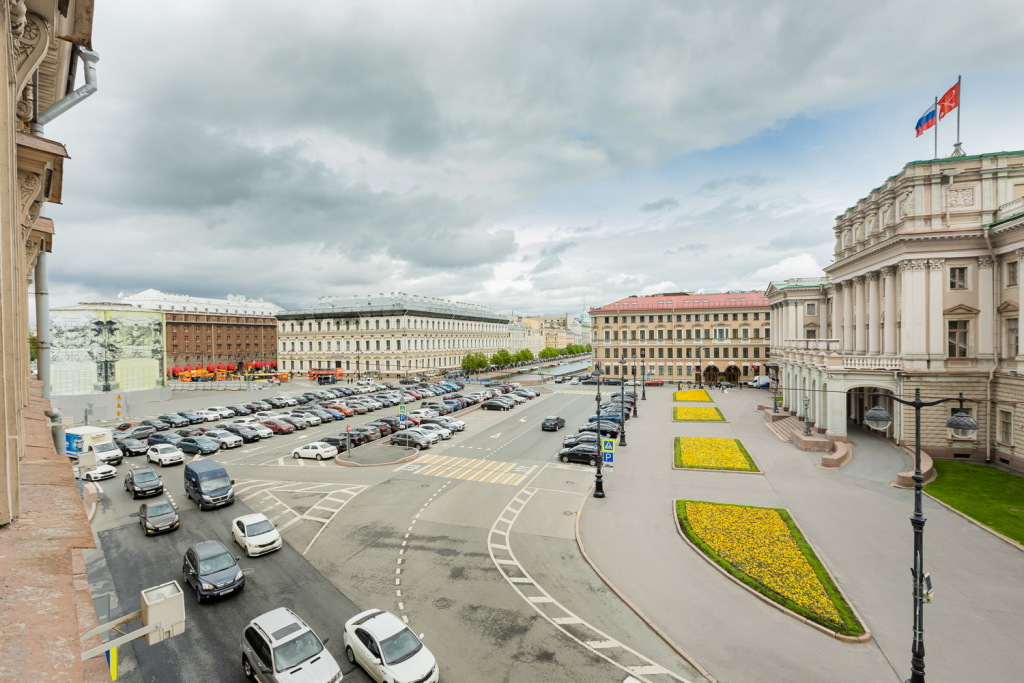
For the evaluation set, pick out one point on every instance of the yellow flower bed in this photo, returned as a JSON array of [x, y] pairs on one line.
[[713, 454], [693, 395], [763, 548], [686, 414]]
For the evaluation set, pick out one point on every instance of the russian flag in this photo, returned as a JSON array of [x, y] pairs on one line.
[[926, 121]]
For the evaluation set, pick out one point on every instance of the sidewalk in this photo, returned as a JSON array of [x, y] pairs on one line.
[[857, 523]]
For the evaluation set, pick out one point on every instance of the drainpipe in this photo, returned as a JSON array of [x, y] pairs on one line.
[[89, 59], [57, 429], [996, 342], [42, 281]]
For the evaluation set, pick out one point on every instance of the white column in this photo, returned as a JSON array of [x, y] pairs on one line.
[[848, 340], [889, 305], [835, 409], [874, 315], [799, 307], [912, 310], [984, 336], [860, 311], [936, 321], [836, 318]]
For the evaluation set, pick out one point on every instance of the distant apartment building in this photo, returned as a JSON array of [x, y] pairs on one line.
[[925, 292], [388, 336], [684, 336]]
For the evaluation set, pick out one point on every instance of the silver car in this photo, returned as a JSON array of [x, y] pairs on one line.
[[278, 644]]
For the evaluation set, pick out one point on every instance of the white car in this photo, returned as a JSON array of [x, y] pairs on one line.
[[574, 380], [453, 423], [225, 438], [102, 471], [164, 454], [516, 398], [386, 649], [318, 450], [256, 534], [312, 419], [224, 411], [443, 432], [289, 401], [264, 431], [424, 412], [377, 405], [431, 437], [210, 415]]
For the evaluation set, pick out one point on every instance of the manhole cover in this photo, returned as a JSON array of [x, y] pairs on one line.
[[442, 603], [569, 513]]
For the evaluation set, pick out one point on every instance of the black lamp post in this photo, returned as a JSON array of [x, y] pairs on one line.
[[635, 410], [775, 401], [700, 370], [962, 426], [599, 476], [807, 416], [643, 374], [622, 406]]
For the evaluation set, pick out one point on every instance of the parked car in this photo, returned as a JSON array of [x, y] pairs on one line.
[[432, 437], [173, 420], [247, 433], [164, 454], [143, 481], [443, 432], [386, 649], [580, 437], [240, 411], [224, 438], [256, 534], [386, 428], [200, 445], [211, 415], [191, 431], [297, 422], [410, 439], [211, 570], [192, 417], [588, 453], [278, 642], [278, 426], [318, 450], [311, 419], [603, 428], [491, 404], [371, 433], [655, 383], [158, 516], [224, 411], [164, 437], [130, 446], [157, 424], [552, 423], [125, 426]]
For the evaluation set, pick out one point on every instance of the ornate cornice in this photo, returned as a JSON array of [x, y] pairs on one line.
[[874, 276], [913, 264], [985, 262], [936, 263]]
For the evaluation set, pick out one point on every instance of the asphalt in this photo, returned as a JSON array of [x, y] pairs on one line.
[[859, 526]]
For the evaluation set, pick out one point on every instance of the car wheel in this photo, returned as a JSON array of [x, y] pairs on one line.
[[247, 669], [349, 655], [295, 455], [564, 458], [418, 447], [319, 456], [199, 597], [593, 462], [223, 446]]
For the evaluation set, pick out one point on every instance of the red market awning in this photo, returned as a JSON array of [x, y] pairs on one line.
[[272, 363], [175, 369], [210, 368], [187, 368], [231, 366], [248, 364], [220, 366], [168, 371], [257, 365]]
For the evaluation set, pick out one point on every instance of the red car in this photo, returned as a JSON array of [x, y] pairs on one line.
[[126, 426], [278, 426], [343, 409], [655, 383]]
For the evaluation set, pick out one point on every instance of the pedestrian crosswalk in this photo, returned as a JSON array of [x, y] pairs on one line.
[[469, 469]]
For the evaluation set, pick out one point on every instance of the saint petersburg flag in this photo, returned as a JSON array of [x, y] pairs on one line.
[[926, 121]]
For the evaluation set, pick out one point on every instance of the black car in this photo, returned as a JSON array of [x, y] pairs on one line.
[[156, 424], [493, 404], [247, 433], [552, 424], [202, 445], [296, 422], [385, 428], [130, 446], [585, 452], [339, 442], [396, 422], [191, 431], [143, 481], [193, 418], [158, 516], [139, 432], [240, 411], [581, 437], [277, 402], [604, 428], [174, 420], [211, 570], [164, 437]]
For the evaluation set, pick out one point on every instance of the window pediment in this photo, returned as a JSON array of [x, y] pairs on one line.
[[961, 309], [1008, 307]]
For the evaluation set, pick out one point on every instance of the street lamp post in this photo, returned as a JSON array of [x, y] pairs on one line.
[[599, 476], [962, 426], [643, 374], [700, 370], [775, 401], [622, 406], [807, 416], [636, 411]]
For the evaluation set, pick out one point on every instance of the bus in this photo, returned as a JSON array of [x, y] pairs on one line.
[[326, 376]]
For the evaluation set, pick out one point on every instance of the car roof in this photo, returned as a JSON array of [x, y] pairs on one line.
[[205, 549], [250, 518], [378, 622], [280, 623]]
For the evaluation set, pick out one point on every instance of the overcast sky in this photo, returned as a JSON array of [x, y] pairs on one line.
[[531, 156]]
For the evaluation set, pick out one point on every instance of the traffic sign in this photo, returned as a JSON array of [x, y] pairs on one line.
[[402, 409], [349, 428], [607, 445]]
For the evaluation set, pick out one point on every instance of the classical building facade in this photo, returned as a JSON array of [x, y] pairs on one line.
[[388, 336], [680, 337], [925, 293], [204, 331]]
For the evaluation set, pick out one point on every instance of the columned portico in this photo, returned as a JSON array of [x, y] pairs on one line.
[[936, 336], [860, 307], [848, 337], [874, 336], [889, 306]]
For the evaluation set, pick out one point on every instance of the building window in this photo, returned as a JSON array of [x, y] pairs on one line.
[[1006, 426], [957, 339], [811, 334], [958, 277], [1013, 337], [812, 309], [1011, 273]]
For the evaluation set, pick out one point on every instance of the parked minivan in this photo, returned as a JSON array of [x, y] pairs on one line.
[[208, 483]]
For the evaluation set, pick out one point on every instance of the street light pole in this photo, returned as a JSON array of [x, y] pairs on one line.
[[599, 476], [636, 411], [622, 407], [962, 425], [643, 374]]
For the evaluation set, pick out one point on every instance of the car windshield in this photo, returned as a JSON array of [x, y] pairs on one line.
[[296, 651], [160, 509], [400, 646], [216, 563], [146, 476], [261, 527], [165, 448], [104, 447], [221, 481]]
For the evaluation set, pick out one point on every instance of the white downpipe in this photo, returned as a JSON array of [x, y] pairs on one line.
[[89, 59]]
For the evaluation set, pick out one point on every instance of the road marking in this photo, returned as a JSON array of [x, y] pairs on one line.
[[468, 469]]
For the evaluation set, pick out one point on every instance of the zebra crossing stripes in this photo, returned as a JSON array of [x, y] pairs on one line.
[[469, 469]]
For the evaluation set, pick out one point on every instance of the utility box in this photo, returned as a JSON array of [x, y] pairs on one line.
[[164, 604]]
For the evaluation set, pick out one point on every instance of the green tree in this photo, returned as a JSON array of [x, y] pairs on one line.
[[474, 361], [33, 347], [501, 357], [547, 352], [524, 356]]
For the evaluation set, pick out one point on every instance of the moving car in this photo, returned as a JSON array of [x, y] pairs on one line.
[[317, 450], [278, 645], [552, 423], [101, 472], [143, 481], [386, 649], [208, 483], [211, 570], [158, 516], [164, 454], [256, 534], [130, 446]]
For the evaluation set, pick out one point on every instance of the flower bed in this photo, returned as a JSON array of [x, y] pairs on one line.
[[713, 454], [763, 548], [693, 395], [685, 414]]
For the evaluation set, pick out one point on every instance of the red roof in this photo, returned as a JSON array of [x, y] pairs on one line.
[[671, 302]]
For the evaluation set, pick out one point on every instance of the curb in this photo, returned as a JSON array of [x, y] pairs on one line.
[[976, 523], [827, 631], [636, 610]]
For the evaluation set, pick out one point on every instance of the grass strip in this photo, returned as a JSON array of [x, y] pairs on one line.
[[991, 496]]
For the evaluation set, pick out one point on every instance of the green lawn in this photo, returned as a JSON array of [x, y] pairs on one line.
[[993, 497]]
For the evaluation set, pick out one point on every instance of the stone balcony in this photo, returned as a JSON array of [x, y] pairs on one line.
[[824, 354]]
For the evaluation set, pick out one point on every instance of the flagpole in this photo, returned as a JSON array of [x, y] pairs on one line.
[[959, 100], [936, 128]]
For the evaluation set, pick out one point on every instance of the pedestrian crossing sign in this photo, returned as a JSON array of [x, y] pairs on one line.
[[607, 445]]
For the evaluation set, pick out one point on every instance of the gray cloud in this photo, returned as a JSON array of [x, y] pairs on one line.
[[660, 205]]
